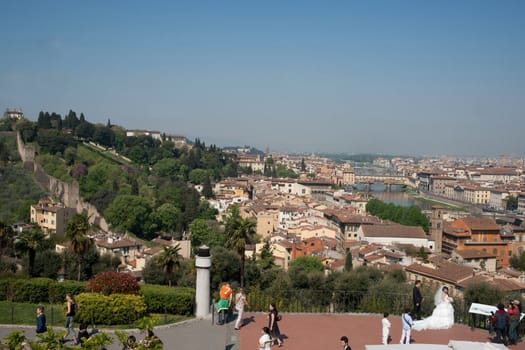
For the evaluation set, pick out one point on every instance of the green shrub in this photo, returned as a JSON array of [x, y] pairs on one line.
[[161, 299], [25, 290], [58, 290], [38, 290], [113, 282], [111, 309]]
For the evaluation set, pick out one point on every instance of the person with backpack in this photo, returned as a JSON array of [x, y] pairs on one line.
[[500, 320]]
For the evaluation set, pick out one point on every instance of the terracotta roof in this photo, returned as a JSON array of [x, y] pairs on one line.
[[445, 271], [480, 223], [121, 243], [398, 231], [475, 254]]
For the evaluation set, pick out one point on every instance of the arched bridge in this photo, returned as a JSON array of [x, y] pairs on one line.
[[388, 180]]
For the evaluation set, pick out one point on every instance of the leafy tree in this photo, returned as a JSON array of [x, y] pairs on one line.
[[225, 266], [483, 293], [308, 263], [239, 232], [31, 241], [47, 263], [201, 233], [170, 260], [76, 233], [168, 217], [131, 213], [153, 274], [106, 262], [198, 176], [207, 191], [266, 259]]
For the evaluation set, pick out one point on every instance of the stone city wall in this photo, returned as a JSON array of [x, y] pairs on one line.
[[68, 193]]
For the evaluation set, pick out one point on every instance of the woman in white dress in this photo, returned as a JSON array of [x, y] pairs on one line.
[[443, 314]]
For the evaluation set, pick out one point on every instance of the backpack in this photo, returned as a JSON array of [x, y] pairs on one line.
[[500, 321]]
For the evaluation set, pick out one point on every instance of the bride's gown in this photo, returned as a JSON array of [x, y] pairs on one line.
[[442, 317]]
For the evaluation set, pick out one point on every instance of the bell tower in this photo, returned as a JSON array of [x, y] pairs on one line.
[[436, 227]]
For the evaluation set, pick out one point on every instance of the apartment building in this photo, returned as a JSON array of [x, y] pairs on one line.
[[51, 216]]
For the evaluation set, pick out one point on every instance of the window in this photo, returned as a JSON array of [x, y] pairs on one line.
[[495, 251]]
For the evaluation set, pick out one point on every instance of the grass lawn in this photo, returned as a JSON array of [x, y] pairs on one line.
[[25, 313]]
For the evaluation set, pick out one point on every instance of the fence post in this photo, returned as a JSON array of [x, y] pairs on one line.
[[12, 313]]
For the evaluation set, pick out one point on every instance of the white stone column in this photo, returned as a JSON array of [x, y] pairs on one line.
[[202, 288]]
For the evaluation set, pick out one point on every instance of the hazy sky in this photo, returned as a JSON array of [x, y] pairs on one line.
[[397, 77]]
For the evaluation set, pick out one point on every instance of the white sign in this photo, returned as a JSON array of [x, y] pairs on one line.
[[487, 310]]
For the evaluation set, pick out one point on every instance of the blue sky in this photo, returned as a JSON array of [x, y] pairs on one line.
[[396, 77]]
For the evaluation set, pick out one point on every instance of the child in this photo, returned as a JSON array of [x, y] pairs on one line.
[[406, 318], [40, 320], [386, 328]]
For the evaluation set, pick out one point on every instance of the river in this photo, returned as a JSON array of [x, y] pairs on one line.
[[395, 196]]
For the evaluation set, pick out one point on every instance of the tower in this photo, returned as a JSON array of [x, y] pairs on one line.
[[436, 227]]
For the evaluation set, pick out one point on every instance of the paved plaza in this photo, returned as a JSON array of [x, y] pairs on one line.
[[300, 332]]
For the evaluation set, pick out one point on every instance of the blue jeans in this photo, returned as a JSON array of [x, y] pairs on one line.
[[69, 326]]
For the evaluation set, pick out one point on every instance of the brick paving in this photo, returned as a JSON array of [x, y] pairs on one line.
[[319, 332]]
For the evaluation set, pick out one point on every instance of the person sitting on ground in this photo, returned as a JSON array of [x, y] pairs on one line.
[[131, 343], [151, 341], [83, 334]]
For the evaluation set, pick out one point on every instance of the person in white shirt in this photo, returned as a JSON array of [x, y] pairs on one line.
[[265, 341], [240, 303], [406, 318], [385, 323]]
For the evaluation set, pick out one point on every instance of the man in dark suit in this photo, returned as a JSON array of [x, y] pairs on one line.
[[417, 299]]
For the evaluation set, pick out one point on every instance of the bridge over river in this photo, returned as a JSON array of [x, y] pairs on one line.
[[388, 180]]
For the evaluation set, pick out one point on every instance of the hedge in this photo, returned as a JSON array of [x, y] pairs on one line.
[[113, 309], [38, 290], [163, 299], [158, 299]]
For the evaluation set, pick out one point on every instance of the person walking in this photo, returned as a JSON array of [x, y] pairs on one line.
[[385, 325], [407, 321], [240, 303], [273, 323], [70, 317], [225, 299], [40, 320], [417, 299], [344, 343]]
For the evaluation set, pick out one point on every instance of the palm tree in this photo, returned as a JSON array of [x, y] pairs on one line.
[[170, 259], [31, 241], [239, 232], [76, 232]]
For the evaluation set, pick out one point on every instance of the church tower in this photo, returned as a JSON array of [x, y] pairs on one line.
[[436, 227]]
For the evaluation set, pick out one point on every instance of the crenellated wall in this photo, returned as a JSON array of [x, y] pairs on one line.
[[68, 193]]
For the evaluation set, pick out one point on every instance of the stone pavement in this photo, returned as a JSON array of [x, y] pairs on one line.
[[195, 334], [300, 331]]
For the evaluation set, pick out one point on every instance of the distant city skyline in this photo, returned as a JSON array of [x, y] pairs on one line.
[[392, 77]]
